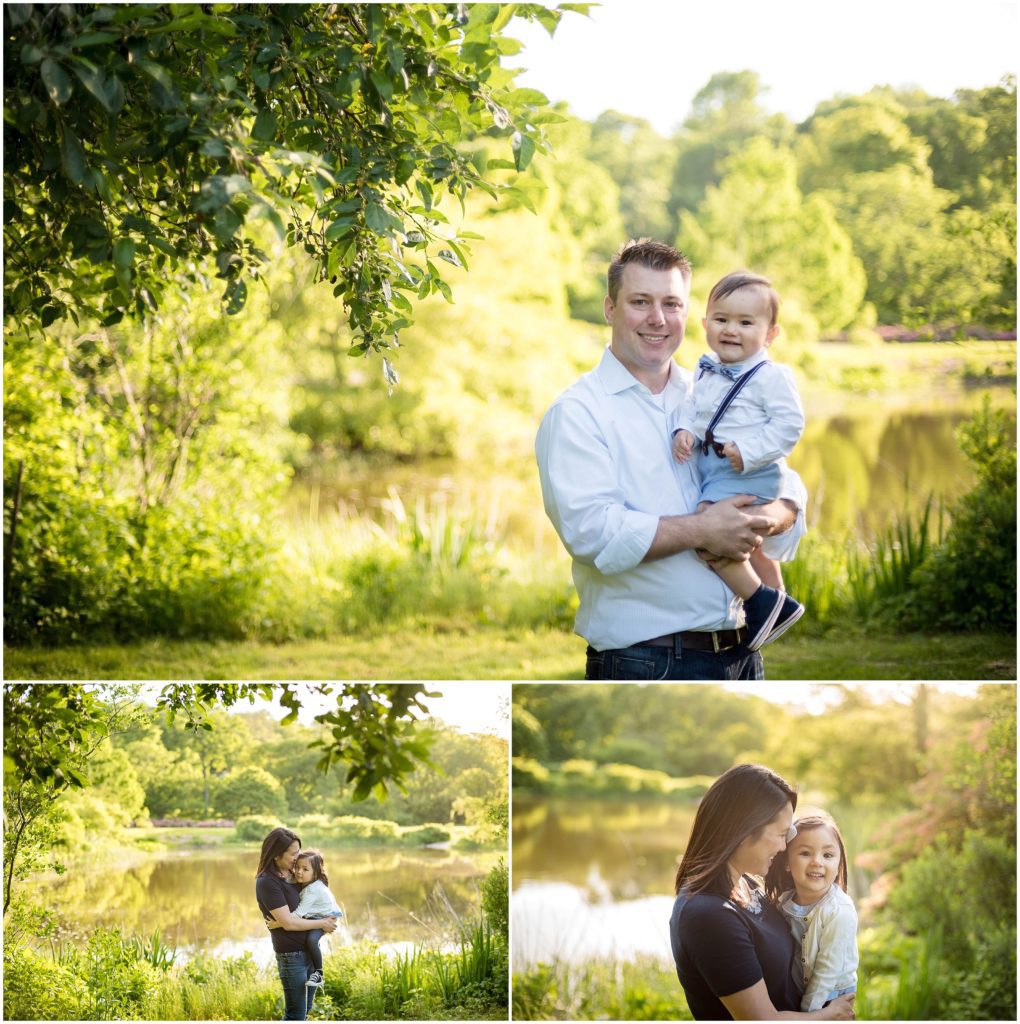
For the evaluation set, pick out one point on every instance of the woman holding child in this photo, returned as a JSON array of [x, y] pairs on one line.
[[736, 953], [278, 894]]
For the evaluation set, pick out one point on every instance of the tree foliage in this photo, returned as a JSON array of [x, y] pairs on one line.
[[52, 733], [141, 140]]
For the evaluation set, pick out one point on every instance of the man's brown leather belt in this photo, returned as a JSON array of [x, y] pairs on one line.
[[696, 640]]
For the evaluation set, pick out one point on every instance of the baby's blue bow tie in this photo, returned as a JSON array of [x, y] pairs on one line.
[[705, 363]]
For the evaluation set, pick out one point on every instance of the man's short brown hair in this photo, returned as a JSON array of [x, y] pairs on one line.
[[645, 253], [745, 279]]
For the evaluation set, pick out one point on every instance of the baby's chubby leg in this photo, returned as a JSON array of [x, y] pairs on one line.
[[739, 576], [768, 569]]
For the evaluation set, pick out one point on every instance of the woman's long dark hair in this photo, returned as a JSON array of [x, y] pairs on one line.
[[738, 805], [272, 846], [777, 881]]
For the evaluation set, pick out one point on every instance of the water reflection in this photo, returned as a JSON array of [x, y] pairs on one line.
[[606, 849], [205, 900], [555, 921], [861, 467]]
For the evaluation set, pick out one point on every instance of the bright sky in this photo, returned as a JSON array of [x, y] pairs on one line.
[[818, 697], [650, 57], [470, 707]]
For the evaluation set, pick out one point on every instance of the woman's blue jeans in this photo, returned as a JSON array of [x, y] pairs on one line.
[[295, 969]]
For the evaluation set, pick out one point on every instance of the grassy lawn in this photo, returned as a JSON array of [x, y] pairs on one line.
[[488, 653]]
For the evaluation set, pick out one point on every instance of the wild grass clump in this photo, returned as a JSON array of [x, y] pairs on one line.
[[645, 989], [108, 980]]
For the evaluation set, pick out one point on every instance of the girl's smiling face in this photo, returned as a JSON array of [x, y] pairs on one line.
[[303, 872], [812, 859]]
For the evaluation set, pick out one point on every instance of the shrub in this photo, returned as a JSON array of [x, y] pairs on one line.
[[425, 834], [969, 582], [365, 830], [36, 988], [495, 897], [255, 827], [529, 774], [118, 985], [965, 893]]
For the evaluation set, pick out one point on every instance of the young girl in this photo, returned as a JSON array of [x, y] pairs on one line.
[[820, 913], [316, 902]]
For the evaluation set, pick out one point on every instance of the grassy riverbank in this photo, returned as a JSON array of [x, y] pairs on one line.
[[900, 978], [116, 979], [491, 653]]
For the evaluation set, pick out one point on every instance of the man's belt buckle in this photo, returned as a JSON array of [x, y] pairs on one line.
[[715, 642]]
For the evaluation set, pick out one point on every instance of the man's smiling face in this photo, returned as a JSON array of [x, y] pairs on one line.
[[648, 320]]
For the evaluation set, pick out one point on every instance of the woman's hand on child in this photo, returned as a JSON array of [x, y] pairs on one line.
[[683, 445], [841, 1008], [732, 452], [328, 924]]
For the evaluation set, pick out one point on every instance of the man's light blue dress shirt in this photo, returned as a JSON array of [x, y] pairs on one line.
[[607, 476]]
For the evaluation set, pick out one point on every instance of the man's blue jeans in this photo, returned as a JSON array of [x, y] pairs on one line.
[[645, 662], [295, 969]]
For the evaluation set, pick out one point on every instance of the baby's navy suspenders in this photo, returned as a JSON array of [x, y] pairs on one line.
[[710, 441]]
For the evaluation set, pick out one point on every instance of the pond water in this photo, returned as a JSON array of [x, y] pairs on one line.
[[205, 899], [862, 467], [593, 879]]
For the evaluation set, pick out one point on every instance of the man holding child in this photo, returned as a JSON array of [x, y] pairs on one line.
[[624, 507]]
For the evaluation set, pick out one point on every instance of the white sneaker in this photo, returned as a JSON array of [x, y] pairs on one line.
[[315, 981]]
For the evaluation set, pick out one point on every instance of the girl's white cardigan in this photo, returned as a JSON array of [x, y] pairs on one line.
[[829, 950]]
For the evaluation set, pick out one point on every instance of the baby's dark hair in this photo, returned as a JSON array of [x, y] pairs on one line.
[[318, 865], [745, 279], [777, 881]]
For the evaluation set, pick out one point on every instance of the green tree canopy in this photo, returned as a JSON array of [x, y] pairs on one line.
[[869, 134], [142, 140], [757, 218]]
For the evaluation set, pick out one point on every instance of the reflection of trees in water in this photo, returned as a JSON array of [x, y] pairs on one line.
[[631, 844], [862, 470], [202, 899]]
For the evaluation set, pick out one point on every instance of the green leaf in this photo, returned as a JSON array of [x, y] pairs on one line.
[[48, 315], [523, 148], [159, 74], [340, 227], [95, 81], [93, 39], [226, 223], [72, 156], [58, 84], [123, 253], [380, 220], [235, 295], [267, 210], [264, 128]]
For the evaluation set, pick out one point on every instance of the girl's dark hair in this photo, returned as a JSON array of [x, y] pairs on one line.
[[272, 846], [318, 865], [777, 881], [738, 805]]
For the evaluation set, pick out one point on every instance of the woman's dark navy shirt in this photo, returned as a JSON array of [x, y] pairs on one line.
[[720, 948], [272, 892]]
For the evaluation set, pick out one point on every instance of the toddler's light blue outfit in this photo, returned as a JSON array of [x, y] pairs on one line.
[[317, 902], [765, 421]]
